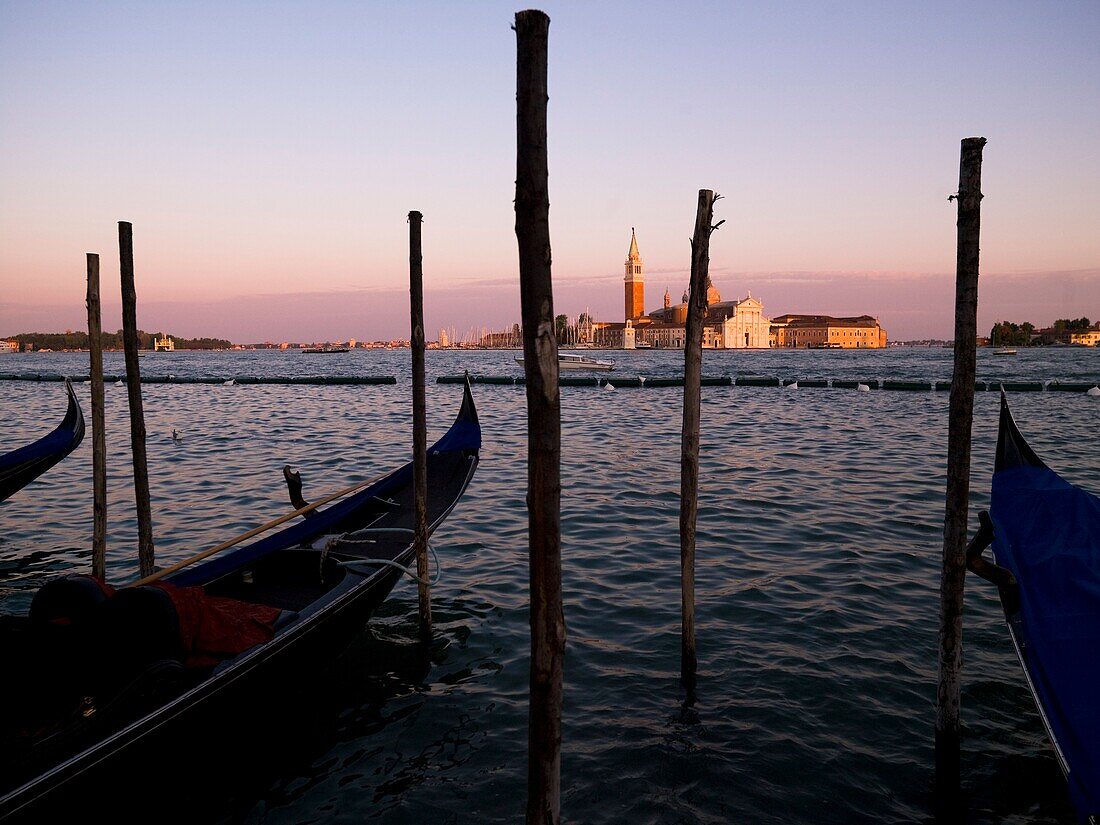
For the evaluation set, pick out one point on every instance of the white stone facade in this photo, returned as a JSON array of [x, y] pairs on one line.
[[746, 328]]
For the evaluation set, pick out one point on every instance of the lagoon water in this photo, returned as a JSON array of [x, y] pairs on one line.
[[820, 534]]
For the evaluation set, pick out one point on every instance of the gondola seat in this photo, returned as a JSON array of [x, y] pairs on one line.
[[68, 601], [137, 629]]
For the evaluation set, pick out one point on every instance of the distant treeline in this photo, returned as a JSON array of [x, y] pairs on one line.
[[79, 340], [1009, 334]]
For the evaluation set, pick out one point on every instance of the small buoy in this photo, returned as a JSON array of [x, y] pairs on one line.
[[1094, 392], [793, 385], [230, 382], [177, 436], [119, 381], [641, 380], [863, 388], [609, 386]]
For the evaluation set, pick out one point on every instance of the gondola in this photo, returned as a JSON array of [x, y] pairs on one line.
[[1045, 534], [113, 676], [22, 466]]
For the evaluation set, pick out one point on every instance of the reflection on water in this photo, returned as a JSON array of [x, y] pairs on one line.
[[819, 539]]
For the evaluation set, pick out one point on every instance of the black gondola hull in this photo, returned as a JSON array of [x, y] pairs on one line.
[[20, 467], [358, 574], [105, 772]]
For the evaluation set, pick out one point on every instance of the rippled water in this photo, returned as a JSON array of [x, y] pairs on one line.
[[820, 534]]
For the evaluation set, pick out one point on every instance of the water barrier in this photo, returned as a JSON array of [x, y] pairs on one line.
[[235, 379], [896, 385]]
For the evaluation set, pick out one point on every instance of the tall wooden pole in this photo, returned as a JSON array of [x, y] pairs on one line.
[[99, 437], [689, 435], [133, 392], [540, 366], [420, 427], [960, 418]]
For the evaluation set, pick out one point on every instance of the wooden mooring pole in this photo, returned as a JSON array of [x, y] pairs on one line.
[[960, 419], [99, 437], [689, 435], [540, 366], [133, 392], [420, 426]]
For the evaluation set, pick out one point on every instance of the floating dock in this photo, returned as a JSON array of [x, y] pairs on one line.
[[641, 382], [229, 379]]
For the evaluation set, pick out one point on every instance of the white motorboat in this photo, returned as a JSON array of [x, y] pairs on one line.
[[1002, 350], [569, 361]]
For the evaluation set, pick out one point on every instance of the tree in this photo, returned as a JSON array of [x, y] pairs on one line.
[[560, 324]]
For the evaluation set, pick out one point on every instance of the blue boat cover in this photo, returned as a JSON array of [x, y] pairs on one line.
[[1047, 532]]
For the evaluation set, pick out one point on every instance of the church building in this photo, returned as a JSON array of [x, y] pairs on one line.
[[728, 324], [739, 324]]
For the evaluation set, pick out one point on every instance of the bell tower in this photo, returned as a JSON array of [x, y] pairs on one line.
[[634, 282]]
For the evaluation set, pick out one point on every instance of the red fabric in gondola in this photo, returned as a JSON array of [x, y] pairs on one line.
[[215, 628]]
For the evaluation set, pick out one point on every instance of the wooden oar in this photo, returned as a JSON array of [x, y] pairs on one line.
[[253, 532]]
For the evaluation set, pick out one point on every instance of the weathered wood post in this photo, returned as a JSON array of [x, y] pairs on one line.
[[420, 426], [99, 436], [960, 418], [133, 392], [540, 366], [689, 435]]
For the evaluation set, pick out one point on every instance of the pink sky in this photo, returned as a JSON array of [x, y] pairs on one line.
[[267, 159]]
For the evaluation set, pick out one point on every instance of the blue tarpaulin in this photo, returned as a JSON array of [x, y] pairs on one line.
[[1047, 532]]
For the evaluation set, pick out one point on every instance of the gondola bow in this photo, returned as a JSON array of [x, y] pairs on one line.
[[1046, 533], [23, 465]]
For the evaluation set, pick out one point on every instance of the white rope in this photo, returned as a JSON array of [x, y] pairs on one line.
[[331, 541]]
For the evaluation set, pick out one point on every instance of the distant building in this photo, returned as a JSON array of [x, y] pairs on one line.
[[738, 324], [586, 329], [728, 325], [1088, 337], [164, 344], [630, 339], [444, 340], [500, 340], [634, 282], [9, 346], [826, 332]]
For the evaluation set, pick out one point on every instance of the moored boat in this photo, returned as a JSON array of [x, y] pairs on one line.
[[1045, 534], [23, 465], [105, 676], [1002, 349], [571, 361]]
